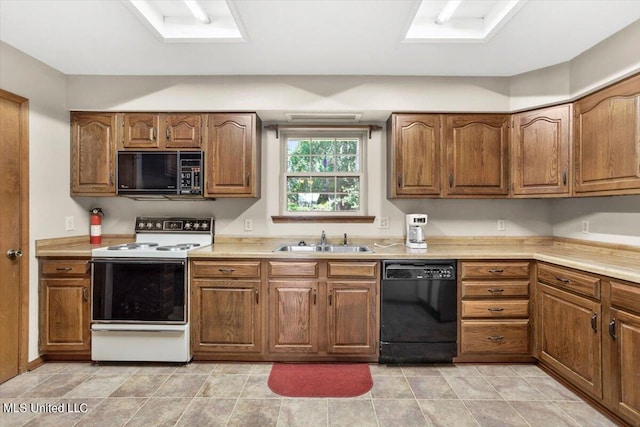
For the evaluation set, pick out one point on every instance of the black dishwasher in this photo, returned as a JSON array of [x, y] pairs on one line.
[[418, 311]]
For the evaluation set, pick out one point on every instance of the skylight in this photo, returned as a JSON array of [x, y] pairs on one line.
[[460, 21], [188, 20]]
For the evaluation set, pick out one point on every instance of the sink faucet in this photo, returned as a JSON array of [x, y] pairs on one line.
[[323, 239]]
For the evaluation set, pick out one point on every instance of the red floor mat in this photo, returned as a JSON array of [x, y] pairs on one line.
[[320, 379]]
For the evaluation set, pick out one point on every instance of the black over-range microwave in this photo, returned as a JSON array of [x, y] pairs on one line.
[[161, 172]]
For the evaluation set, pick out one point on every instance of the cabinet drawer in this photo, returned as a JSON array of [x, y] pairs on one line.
[[61, 267], [495, 289], [567, 279], [293, 269], [226, 269], [506, 337], [352, 269], [492, 270], [625, 296], [495, 309]]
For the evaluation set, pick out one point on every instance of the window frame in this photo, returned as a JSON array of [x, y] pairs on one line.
[[333, 133]]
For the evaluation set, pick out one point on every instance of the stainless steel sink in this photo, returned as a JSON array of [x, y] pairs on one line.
[[338, 249]]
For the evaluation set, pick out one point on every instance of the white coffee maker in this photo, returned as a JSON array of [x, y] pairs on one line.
[[416, 224]]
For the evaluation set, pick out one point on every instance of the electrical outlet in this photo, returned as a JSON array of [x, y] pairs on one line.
[[68, 223], [502, 225], [585, 227], [384, 222], [248, 225]]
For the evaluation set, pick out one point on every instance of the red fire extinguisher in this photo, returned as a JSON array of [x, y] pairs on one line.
[[95, 235]]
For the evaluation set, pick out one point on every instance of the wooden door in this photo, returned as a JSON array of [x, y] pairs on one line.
[[93, 156], [414, 155], [626, 335], [540, 152], [351, 317], [14, 226], [230, 159], [141, 130], [569, 337], [607, 140], [226, 316], [476, 154], [64, 321], [293, 317], [183, 131]]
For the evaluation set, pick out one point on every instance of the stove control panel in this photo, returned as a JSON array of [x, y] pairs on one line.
[[172, 225]]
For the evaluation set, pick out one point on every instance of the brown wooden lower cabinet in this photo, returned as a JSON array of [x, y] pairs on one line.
[[588, 333], [293, 316], [65, 309]]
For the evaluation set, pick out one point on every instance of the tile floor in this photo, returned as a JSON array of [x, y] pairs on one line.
[[231, 394]]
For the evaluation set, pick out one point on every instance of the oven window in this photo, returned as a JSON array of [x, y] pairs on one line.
[[139, 291]]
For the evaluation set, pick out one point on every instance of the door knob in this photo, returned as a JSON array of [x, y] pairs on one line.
[[14, 253]]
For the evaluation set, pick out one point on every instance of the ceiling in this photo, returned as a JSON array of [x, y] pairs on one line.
[[306, 37]]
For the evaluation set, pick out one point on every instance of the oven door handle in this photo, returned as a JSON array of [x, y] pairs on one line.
[[137, 261]]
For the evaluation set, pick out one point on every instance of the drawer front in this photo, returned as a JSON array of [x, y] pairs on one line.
[[293, 269], [497, 269], [625, 296], [498, 289], [226, 269], [495, 309], [352, 269], [567, 279], [61, 267], [507, 337]]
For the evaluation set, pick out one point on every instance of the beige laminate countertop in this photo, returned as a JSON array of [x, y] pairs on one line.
[[607, 260]]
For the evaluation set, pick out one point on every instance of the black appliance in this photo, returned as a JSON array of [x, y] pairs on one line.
[[161, 172], [418, 311]]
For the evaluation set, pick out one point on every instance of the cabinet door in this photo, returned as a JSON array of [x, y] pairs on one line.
[[569, 337], [226, 316], [626, 334], [414, 155], [607, 140], [293, 317], [141, 130], [65, 312], [183, 131], [351, 317], [232, 167], [93, 154], [540, 152], [477, 154]]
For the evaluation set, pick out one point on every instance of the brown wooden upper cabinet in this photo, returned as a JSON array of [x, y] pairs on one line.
[[141, 130], [414, 155], [183, 130], [476, 161], [540, 152], [233, 155], [93, 154], [607, 140]]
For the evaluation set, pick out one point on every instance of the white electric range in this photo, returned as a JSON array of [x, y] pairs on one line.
[[140, 291]]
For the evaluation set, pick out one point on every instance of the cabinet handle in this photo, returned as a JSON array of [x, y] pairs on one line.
[[314, 297], [168, 134], [64, 268], [257, 296], [226, 270], [594, 319], [248, 178], [450, 180], [495, 309], [330, 297], [612, 328], [562, 279], [85, 294], [111, 179], [154, 134], [496, 270], [564, 178], [492, 290], [399, 181], [495, 337]]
